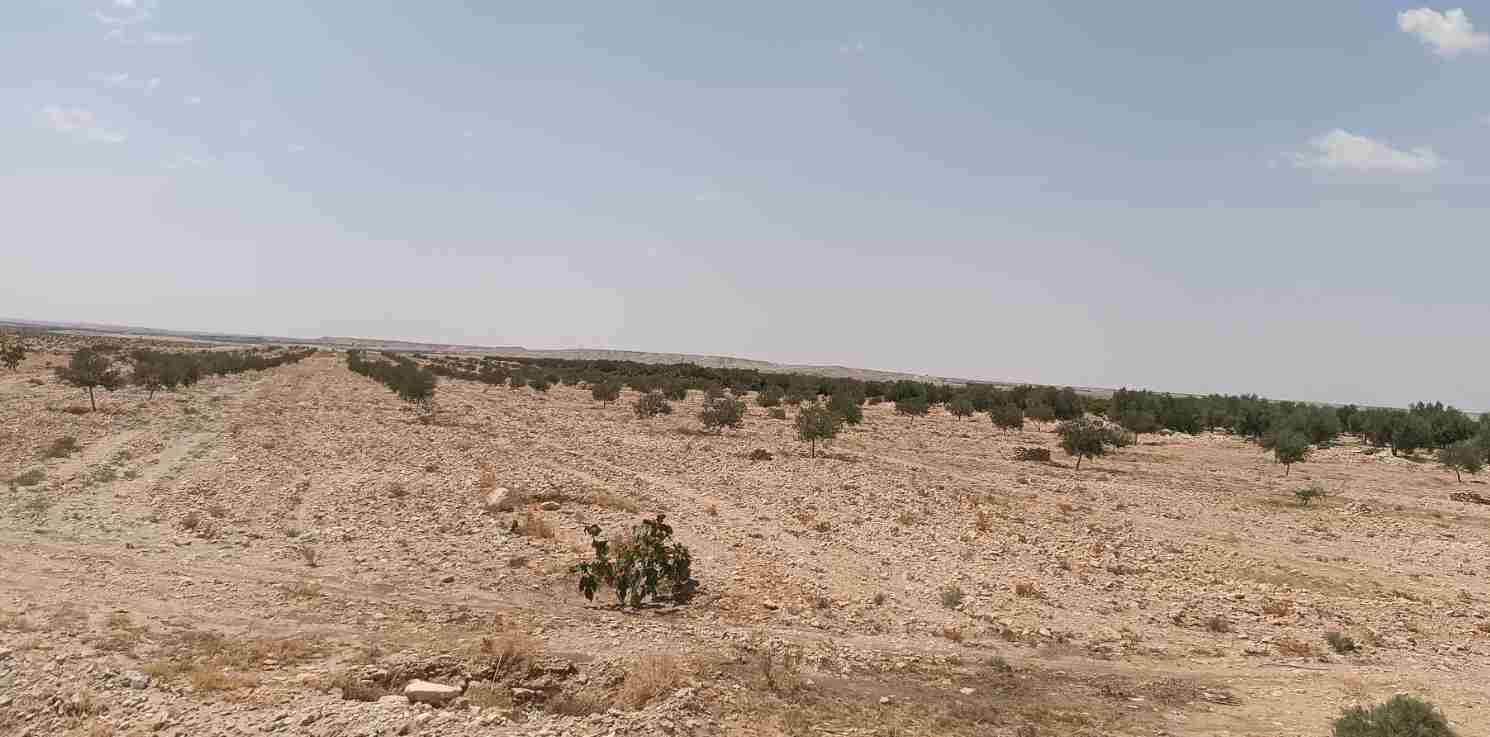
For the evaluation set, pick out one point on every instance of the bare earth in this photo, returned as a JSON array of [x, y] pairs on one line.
[[1173, 588]]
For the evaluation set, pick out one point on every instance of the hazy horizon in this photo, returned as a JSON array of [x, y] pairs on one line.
[[1274, 199]]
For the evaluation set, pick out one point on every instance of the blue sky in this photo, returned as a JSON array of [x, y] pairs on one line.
[[1283, 198]]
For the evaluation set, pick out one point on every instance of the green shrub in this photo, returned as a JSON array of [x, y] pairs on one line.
[[62, 447], [912, 406], [1341, 642], [1084, 438], [960, 407], [89, 369], [721, 412], [12, 353], [1309, 493], [951, 595], [605, 391], [769, 397], [645, 565], [1007, 416], [777, 413], [651, 404], [1465, 456], [1039, 412], [1290, 447], [1139, 422], [816, 422], [28, 478], [846, 407], [1402, 716], [677, 391], [539, 384]]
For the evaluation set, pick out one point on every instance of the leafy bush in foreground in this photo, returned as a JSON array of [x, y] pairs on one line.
[[647, 564], [1402, 716], [1290, 447], [1006, 416], [12, 353]]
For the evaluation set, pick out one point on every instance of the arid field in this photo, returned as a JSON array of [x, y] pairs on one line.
[[281, 551]]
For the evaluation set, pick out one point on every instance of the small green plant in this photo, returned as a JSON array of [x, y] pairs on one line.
[[62, 447], [951, 596], [651, 404], [777, 413], [1402, 716], [90, 369], [1341, 642], [644, 565], [1309, 493], [28, 478]]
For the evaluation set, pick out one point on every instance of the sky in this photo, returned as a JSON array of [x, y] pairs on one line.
[[1274, 197]]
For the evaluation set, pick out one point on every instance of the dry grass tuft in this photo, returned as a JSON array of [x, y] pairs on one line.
[[1027, 589], [653, 675], [1296, 648], [1277, 607], [532, 524], [509, 650]]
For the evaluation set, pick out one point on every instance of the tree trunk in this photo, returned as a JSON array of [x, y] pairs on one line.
[[1287, 467], [92, 404], [1457, 476], [814, 447], [1078, 463]]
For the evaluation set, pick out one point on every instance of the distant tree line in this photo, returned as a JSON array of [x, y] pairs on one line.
[[410, 381], [93, 368], [1287, 428]]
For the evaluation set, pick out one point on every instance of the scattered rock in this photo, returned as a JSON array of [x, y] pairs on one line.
[[498, 500], [136, 679], [394, 700], [549, 506], [429, 692]]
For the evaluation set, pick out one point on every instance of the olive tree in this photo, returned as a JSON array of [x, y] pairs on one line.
[[1007, 416], [961, 407], [721, 412], [12, 353], [89, 369], [1461, 457], [816, 422], [1290, 447], [1084, 438]]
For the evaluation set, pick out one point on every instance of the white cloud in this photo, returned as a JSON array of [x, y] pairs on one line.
[[126, 12], [156, 38], [1449, 33], [79, 124], [187, 161], [123, 80], [1341, 150]]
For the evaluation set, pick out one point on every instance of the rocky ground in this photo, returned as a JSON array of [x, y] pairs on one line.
[[293, 552]]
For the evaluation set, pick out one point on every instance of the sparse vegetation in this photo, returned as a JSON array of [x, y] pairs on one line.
[[1007, 416], [816, 422], [651, 404], [722, 412], [1401, 716], [652, 676], [951, 596], [12, 352], [30, 477], [1307, 494], [646, 564], [62, 447], [1465, 456], [1085, 438], [1341, 643], [90, 370], [1290, 447]]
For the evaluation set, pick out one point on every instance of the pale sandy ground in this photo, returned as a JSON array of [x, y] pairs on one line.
[[184, 515]]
